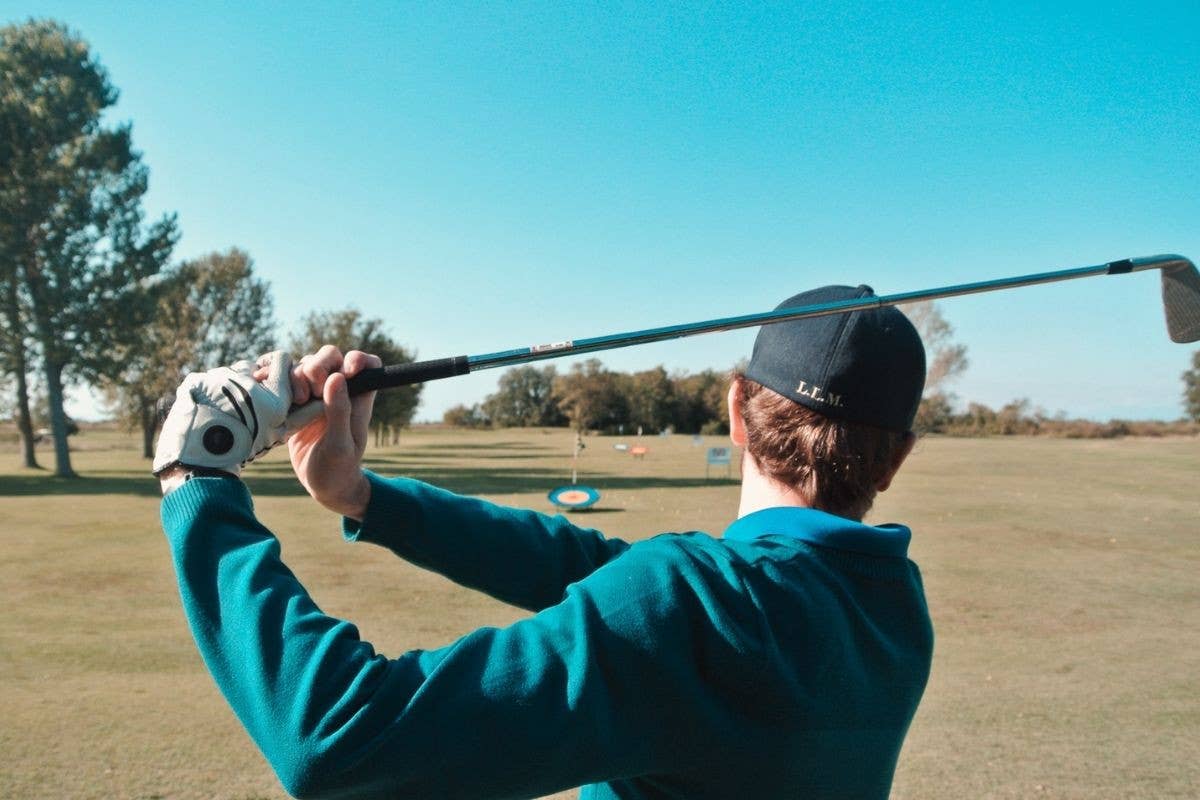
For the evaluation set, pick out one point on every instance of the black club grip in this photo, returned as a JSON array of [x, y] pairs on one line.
[[404, 374], [376, 378]]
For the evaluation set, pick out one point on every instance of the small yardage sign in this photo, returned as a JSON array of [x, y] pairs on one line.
[[719, 456]]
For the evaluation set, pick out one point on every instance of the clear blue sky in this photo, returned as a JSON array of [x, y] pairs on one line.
[[486, 177]]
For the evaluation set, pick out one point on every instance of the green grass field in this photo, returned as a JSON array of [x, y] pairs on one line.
[[1063, 577]]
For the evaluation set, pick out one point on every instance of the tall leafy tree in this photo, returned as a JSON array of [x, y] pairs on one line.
[[651, 397], [202, 313], [15, 352], [700, 402], [946, 358], [945, 361], [592, 397], [234, 309], [1191, 389], [524, 397], [72, 197], [348, 330]]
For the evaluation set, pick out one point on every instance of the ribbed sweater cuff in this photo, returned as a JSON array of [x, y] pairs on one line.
[[188, 501]]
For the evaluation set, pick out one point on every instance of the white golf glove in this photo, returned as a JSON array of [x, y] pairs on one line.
[[223, 418]]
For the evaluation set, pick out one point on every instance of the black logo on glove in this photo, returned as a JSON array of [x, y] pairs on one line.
[[218, 440]]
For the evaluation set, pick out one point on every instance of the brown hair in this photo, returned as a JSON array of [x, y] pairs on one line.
[[834, 465]]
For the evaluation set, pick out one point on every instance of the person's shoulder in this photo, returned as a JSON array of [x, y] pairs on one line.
[[684, 546], [692, 557], [698, 546], [663, 560]]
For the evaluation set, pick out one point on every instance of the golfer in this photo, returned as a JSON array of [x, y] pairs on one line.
[[782, 660]]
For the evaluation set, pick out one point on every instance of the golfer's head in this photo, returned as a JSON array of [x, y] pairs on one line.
[[829, 402]]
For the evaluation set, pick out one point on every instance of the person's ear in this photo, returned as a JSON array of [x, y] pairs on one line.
[[737, 426], [906, 447]]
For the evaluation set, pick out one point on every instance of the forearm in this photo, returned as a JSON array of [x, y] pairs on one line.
[[516, 555], [294, 677]]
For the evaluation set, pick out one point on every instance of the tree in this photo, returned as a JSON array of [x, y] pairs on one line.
[[701, 402], [946, 360], [39, 405], [71, 197], [651, 399], [349, 330], [17, 212], [524, 398], [234, 310], [1191, 389], [934, 414], [1017, 417], [203, 313], [15, 350], [591, 397], [462, 416]]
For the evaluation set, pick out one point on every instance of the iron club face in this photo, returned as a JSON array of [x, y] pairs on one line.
[[1181, 302]]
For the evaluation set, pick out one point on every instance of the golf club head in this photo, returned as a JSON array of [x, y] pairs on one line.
[[1181, 301]]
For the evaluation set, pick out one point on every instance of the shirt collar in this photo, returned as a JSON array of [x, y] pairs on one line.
[[823, 529]]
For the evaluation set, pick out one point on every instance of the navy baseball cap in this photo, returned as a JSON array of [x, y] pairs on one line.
[[863, 366]]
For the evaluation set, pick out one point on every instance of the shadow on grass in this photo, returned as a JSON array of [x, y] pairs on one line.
[[517, 481], [126, 484], [418, 456], [276, 480], [474, 448]]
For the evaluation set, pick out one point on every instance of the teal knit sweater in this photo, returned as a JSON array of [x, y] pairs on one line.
[[784, 660]]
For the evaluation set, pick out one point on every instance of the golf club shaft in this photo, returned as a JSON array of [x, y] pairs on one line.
[[421, 371], [1181, 298]]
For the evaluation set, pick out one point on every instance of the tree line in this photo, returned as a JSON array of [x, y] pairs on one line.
[[592, 397], [89, 295], [1020, 418]]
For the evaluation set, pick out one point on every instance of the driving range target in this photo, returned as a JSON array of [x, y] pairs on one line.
[[573, 498]]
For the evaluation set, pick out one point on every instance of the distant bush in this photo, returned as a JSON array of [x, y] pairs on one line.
[[1113, 429], [461, 416], [1017, 419]]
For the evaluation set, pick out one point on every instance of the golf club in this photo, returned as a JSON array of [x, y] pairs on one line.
[[1180, 295]]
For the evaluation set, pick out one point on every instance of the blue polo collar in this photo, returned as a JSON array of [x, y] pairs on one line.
[[823, 529]]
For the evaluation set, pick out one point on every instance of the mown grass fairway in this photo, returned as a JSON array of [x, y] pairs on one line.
[[1063, 577]]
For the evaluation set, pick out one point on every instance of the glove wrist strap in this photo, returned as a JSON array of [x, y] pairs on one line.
[[189, 471]]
